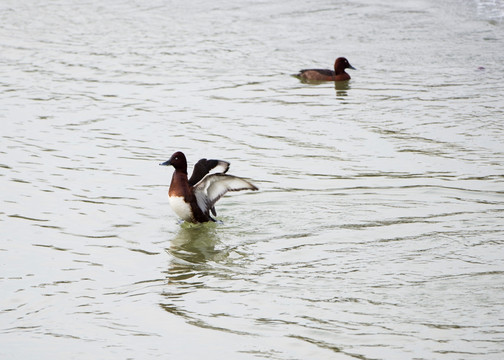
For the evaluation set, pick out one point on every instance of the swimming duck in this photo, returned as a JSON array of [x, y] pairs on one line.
[[193, 199], [338, 74]]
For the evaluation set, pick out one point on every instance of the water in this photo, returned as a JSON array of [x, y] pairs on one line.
[[378, 229]]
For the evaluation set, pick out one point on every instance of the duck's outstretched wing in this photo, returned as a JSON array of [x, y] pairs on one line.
[[212, 187], [204, 166]]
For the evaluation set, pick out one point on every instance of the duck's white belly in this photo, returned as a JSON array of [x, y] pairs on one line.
[[181, 208]]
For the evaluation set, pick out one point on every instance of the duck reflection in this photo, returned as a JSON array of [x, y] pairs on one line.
[[341, 88], [193, 246]]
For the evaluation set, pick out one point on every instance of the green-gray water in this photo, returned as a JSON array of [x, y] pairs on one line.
[[378, 230]]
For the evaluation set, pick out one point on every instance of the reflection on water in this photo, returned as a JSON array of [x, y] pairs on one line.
[[342, 88], [195, 243], [196, 259]]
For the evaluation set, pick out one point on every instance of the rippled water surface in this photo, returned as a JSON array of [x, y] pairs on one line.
[[378, 230]]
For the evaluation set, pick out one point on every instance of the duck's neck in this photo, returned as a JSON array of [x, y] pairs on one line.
[[339, 70], [179, 184]]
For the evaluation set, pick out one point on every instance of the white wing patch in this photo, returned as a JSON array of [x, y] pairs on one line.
[[221, 167], [213, 186]]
